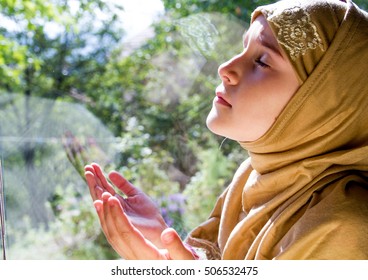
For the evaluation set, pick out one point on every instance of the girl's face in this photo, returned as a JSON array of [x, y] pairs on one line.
[[256, 86]]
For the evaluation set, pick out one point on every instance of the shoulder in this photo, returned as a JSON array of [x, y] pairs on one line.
[[334, 225], [345, 203]]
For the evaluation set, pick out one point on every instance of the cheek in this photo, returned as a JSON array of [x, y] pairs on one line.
[[283, 92], [275, 93]]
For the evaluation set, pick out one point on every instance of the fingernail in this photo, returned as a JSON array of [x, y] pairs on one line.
[[168, 238], [112, 201], [106, 196], [97, 206]]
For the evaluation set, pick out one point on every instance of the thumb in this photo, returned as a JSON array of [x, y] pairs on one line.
[[175, 247]]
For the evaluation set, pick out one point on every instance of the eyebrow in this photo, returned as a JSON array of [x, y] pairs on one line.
[[265, 41]]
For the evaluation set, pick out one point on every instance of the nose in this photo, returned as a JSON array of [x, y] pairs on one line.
[[230, 72]]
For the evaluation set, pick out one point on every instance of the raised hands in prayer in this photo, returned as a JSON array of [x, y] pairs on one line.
[[131, 222]]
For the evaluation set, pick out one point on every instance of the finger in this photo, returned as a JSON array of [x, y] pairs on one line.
[[123, 184], [92, 184], [99, 191], [107, 220], [89, 167], [99, 176], [99, 209], [176, 248], [126, 239], [118, 239], [102, 179]]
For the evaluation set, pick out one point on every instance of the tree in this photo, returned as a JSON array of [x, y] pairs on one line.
[[50, 49]]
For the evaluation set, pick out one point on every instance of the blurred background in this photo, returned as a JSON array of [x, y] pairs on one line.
[[127, 84]]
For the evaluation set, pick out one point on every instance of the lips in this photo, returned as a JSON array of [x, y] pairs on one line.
[[221, 100]]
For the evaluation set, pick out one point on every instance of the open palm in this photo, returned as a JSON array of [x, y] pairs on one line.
[[140, 209]]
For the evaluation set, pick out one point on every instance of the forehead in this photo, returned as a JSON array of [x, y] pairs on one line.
[[261, 32], [260, 28]]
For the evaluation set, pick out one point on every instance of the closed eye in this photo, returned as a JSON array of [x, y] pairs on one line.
[[260, 63]]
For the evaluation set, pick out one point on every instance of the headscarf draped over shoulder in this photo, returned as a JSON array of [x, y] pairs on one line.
[[303, 192]]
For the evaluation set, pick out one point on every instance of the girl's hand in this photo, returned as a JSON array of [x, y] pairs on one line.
[[129, 242], [137, 206], [133, 224]]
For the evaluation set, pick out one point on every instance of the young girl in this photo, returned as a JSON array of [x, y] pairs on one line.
[[296, 99]]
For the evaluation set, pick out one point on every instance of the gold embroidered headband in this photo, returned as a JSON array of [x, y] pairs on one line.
[[304, 29]]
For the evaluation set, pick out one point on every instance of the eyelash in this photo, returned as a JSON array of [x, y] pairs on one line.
[[260, 63]]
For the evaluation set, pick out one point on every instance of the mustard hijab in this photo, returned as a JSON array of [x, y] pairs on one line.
[[303, 191]]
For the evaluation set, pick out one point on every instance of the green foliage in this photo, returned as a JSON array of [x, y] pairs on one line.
[[76, 229], [16, 58], [74, 234], [32, 243], [239, 8], [48, 45], [214, 172], [29, 8], [362, 4], [12, 60]]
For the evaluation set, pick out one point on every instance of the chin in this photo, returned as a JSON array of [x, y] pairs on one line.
[[214, 124]]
